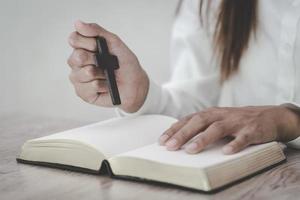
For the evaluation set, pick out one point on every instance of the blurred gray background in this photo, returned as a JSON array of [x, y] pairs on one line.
[[34, 49]]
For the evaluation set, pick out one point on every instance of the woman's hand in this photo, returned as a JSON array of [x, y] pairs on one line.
[[89, 80], [248, 125]]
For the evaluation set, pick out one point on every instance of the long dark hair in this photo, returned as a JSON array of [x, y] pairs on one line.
[[236, 22]]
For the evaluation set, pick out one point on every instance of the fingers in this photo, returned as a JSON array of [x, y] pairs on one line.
[[210, 125], [196, 124], [80, 58], [241, 141], [213, 133], [90, 29], [86, 74], [174, 128], [88, 80], [96, 86], [90, 91], [95, 92], [78, 41]]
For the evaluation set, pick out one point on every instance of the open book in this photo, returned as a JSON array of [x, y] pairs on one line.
[[127, 148]]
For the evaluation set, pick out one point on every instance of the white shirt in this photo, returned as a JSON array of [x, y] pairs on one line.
[[269, 71]]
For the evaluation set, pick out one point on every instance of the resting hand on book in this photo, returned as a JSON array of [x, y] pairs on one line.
[[247, 125], [89, 80]]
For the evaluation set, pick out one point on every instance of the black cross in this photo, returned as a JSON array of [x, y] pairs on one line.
[[108, 63]]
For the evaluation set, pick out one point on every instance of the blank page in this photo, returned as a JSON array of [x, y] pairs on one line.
[[208, 157], [116, 135]]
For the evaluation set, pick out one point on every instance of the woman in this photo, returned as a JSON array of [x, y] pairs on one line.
[[236, 73]]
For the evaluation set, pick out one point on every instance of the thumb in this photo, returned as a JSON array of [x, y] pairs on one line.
[[89, 29]]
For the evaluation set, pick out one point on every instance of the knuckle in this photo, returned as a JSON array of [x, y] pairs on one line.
[[245, 138], [96, 84], [70, 62], [115, 39], [80, 56], [212, 109], [200, 118], [197, 117], [219, 126], [90, 71], [188, 117], [256, 127], [183, 134], [72, 78], [73, 38]]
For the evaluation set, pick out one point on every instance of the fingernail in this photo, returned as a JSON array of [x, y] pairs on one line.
[[163, 138], [228, 150], [171, 143], [191, 148]]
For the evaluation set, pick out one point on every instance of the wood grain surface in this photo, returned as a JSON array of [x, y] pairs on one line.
[[19, 181]]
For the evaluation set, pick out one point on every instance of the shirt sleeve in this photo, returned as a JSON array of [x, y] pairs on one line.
[[194, 83]]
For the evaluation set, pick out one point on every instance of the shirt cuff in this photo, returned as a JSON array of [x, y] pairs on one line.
[[151, 102]]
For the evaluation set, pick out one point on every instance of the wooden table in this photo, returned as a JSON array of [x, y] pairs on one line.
[[19, 181]]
